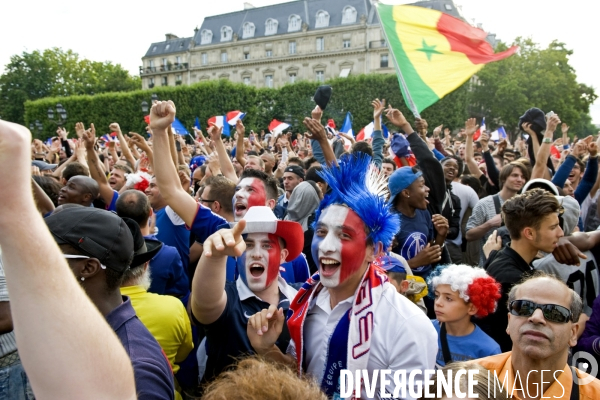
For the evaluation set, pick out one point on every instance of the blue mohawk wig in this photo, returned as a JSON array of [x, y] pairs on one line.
[[362, 190]]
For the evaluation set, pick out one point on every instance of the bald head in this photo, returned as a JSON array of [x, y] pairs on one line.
[[79, 190]]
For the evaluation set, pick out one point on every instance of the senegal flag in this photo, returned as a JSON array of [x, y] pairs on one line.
[[434, 53]]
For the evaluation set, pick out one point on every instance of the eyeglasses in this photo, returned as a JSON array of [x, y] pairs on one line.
[[552, 312], [206, 201], [76, 256]]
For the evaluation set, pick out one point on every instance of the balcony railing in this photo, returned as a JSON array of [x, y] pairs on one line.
[[163, 68], [377, 44]]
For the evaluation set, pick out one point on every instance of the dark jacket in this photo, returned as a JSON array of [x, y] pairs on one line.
[[451, 212], [433, 173]]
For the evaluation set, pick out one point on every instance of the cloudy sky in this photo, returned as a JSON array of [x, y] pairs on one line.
[[121, 31]]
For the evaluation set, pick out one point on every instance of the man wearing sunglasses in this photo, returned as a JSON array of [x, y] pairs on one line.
[[532, 220], [542, 326]]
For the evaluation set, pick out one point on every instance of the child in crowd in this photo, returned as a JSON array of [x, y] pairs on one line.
[[398, 272], [461, 292]]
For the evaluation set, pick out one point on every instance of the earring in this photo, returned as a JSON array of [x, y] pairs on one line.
[[82, 279]]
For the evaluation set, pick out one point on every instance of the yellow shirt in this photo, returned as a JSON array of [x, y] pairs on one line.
[[167, 320], [560, 388]]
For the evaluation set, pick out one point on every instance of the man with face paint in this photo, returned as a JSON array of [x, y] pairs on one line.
[[223, 308], [348, 315], [255, 188]]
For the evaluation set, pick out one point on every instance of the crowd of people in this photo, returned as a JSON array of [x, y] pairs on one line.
[[261, 266]]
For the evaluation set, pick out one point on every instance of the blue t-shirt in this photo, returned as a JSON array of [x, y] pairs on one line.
[[172, 232], [464, 348], [413, 236], [113, 203]]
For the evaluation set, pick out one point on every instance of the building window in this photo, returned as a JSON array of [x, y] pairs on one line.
[[320, 76], [269, 81], [383, 62], [294, 23], [246, 56], [178, 60], [178, 79], [206, 36], [320, 44], [151, 83], [269, 53], [349, 15], [248, 30], [292, 77], [167, 47], [246, 80], [204, 59], [322, 19], [271, 27], [165, 81], [164, 62], [224, 57], [151, 65], [346, 43], [292, 47], [226, 33], [154, 49]]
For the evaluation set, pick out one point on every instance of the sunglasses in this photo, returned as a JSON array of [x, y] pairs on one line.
[[552, 312], [75, 257]]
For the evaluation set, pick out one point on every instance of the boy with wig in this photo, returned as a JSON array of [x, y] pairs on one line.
[[462, 292]]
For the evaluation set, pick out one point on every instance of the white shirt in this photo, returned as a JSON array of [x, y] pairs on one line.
[[403, 337], [468, 199]]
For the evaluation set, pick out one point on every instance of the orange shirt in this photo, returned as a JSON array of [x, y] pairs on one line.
[[560, 389]]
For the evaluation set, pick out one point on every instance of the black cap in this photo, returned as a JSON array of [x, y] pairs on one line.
[[144, 249], [322, 96], [96, 233], [296, 170]]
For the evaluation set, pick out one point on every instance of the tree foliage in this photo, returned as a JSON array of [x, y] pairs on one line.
[[533, 77], [55, 72]]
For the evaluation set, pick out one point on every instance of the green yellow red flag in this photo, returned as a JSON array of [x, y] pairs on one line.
[[434, 52]]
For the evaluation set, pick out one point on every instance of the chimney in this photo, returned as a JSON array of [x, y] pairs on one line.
[[248, 6], [170, 36]]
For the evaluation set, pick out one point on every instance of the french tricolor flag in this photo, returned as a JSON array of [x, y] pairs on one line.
[[234, 116], [220, 121], [276, 127], [365, 133], [481, 129], [110, 138]]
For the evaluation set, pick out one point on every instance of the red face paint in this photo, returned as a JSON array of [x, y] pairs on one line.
[[263, 250], [249, 192], [354, 250]]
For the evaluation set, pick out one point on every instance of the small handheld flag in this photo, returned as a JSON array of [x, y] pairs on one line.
[[347, 125], [220, 122], [197, 124], [479, 131], [276, 127], [233, 117], [178, 128]]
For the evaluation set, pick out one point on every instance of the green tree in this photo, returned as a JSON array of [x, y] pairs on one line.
[[533, 77], [56, 72]]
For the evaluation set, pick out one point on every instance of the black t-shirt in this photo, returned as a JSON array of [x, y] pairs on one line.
[[226, 338]]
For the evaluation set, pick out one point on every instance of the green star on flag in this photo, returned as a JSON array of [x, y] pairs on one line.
[[429, 50]]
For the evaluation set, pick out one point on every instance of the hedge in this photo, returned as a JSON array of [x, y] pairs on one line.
[[289, 103]]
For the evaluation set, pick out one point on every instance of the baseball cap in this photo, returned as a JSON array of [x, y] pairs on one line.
[[42, 165], [390, 264], [322, 96], [400, 180], [541, 184], [296, 170], [96, 233]]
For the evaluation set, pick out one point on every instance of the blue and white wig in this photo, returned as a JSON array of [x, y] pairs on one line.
[[363, 189]]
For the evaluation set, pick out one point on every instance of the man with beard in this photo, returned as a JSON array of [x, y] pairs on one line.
[[348, 316], [223, 308]]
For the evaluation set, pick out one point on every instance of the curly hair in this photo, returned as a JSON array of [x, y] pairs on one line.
[[256, 379], [473, 285]]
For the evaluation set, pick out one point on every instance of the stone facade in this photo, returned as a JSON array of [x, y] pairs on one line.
[[272, 46]]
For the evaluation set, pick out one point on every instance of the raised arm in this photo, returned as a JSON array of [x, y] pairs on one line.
[[124, 146], [318, 134], [540, 169], [225, 162], [141, 142], [239, 147], [162, 115], [209, 298], [57, 363], [470, 128], [96, 171], [378, 140], [42, 201], [490, 166]]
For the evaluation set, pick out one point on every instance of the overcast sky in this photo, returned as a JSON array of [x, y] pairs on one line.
[[121, 31]]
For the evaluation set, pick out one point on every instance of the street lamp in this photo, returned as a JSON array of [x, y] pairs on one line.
[[61, 115], [146, 106], [37, 125]]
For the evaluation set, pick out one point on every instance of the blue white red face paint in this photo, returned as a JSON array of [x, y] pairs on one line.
[[248, 193], [339, 245], [259, 264]]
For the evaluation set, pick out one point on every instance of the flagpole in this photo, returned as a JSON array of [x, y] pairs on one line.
[[405, 92]]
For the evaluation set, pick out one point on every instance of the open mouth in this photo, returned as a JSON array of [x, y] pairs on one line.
[[256, 270], [328, 266], [240, 208]]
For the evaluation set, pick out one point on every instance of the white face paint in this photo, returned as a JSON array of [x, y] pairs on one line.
[[249, 192], [259, 265], [339, 245]]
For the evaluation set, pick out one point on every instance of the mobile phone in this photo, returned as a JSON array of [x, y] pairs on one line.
[[551, 113], [178, 146], [284, 155]]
